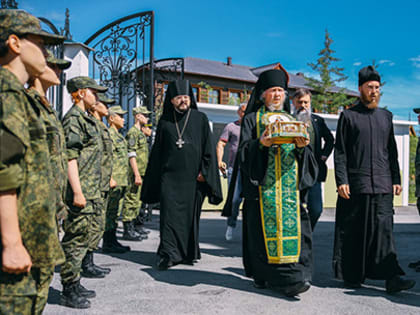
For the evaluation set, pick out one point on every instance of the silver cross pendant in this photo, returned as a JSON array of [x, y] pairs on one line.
[[180, 143]]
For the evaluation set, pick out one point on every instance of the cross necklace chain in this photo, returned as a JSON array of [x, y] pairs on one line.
[[181, 142]]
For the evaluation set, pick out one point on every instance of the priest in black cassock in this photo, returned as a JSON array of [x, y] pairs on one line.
[[182, 171], [367, 176], [277, 237]]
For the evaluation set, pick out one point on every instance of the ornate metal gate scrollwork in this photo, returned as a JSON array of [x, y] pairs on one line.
[[120, 49]]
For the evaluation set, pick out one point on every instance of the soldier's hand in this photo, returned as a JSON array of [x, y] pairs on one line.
[[344, 191], [15, 259], [301, 142], [112, 183], [79, 200], [137, 180], [397, 189], [265, 140]]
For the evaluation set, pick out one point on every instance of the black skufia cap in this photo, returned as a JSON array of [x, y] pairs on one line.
[[368, 73]]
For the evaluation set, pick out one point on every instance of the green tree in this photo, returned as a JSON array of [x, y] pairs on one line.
[[323, 99]]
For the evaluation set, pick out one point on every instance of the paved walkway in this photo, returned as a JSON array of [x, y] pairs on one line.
[[217, 285]]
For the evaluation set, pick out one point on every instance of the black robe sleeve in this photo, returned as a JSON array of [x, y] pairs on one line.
[[340, 154], [150, 190], [328, 139], [393, 158], [209, 168]]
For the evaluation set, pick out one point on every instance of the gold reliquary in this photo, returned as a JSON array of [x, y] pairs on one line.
[[282, 129]]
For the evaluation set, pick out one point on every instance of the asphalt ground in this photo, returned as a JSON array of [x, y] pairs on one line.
[[217, 284]]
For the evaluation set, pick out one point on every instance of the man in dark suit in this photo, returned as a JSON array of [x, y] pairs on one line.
[[318, 130]]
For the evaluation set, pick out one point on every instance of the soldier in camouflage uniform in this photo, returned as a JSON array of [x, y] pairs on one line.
[[98, 111], [29, 244], [55, 133], [83, 197], [138, 154], [416, 265], [120, 176]]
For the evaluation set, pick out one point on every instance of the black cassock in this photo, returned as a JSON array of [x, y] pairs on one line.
[[253, 161], [171, 179], [366, 158]]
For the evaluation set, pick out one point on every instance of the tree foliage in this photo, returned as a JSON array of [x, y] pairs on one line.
[[324, 99]]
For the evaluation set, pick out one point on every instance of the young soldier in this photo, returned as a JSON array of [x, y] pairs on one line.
[[99, 111], [138, 153], [83, 197], [30, 248], [120, 176], [55, 134]]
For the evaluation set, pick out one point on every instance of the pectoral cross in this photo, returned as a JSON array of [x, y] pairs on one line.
[[180, 143]]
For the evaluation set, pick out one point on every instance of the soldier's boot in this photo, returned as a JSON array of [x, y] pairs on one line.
[[82, 291], [88, 270], [118, 244], [129, 233], [105, 270], [70, 296], [108, 246], [140, 230]]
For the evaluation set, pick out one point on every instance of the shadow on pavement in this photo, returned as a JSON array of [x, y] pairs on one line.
[[196, 277], [53, 296]]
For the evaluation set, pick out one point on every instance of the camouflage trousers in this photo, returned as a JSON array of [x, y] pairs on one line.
[[112, 209], [132, 203], [83, 228], [98, 223], [25, 293]]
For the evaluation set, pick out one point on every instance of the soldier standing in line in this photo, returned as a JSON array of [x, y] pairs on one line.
[[83, 197], [29, 244], [55, 134], [99, 111], [138, 154], [120, 176]]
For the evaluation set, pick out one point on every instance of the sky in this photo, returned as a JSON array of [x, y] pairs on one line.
[[260, 32]]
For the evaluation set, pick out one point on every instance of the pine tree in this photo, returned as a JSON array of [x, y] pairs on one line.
[[323, 99]]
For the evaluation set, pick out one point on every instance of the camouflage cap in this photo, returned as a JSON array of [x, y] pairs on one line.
[[141, 110], [60, 63], [117, 110], [81, 82], [20, 22], [105, 100]]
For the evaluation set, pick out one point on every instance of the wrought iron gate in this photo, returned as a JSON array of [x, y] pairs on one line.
[[121, 49]]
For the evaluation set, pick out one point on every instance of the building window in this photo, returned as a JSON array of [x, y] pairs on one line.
[[214, 96], [234, 98]]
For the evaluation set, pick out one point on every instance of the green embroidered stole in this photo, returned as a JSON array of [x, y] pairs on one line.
[[279, 202]]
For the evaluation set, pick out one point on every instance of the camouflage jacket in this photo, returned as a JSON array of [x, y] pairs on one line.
[[138, 147], [25, 166], [119, 158], [56, 145], [84, 143], [106, 163]]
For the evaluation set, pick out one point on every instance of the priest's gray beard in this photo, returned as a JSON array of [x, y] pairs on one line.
[[272, 107], [304, 115]]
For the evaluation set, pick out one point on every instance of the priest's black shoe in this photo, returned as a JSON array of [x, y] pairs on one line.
[[118, 244], [130, 233], [82, 291], [88, 269], [164, 263], [397, 284], [70, 297], [259, 284], [297, 289], [414, 265]]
